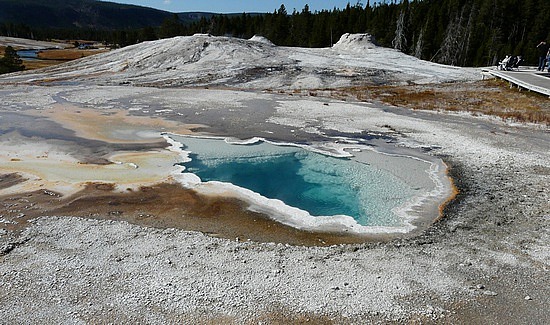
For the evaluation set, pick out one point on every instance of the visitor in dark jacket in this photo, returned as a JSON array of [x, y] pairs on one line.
[[543, 50]]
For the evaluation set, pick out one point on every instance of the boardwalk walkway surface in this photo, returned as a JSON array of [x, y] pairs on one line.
[[529, 79]]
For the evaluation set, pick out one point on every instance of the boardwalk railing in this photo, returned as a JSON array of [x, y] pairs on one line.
[[526, 79]]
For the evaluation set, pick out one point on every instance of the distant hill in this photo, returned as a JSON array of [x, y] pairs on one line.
[[91, 14]]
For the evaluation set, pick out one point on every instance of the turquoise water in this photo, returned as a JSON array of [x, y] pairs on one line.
[[319, 184]]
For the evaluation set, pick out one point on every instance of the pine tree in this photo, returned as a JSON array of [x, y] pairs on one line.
[[11, 61], [280, 33], [147, 34], [171, 27]]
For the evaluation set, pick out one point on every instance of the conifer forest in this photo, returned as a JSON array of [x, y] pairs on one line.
[[455, 32]]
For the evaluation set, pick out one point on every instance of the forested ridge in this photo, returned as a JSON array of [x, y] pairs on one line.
[[78, 14], [456, 32]]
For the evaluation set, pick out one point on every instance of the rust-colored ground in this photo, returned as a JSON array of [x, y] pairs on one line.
[[164, 206]]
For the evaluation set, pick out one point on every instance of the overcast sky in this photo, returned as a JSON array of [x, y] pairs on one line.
[[238, 6]]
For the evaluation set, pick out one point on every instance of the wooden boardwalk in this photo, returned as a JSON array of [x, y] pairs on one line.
[[529, 79]]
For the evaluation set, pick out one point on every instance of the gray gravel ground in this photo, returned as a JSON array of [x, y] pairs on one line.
[[486, 262]]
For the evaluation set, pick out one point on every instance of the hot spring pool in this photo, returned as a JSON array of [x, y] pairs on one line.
[[321, 184]]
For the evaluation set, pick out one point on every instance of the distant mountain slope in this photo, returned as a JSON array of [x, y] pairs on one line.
[[84, 14]]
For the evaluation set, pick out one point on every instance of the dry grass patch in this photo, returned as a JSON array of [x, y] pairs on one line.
[[48, 58], [67, 54], [38, 64], [488, 97]]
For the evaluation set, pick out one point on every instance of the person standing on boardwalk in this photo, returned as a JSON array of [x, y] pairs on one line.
[[543, 50]]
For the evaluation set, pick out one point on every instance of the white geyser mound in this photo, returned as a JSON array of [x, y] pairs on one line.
[[356, 42], [261, 39]]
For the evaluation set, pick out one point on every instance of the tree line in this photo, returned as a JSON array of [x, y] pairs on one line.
[[456, 32]]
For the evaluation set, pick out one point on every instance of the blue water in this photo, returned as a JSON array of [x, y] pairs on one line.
[[28, 54], [319, 184]]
